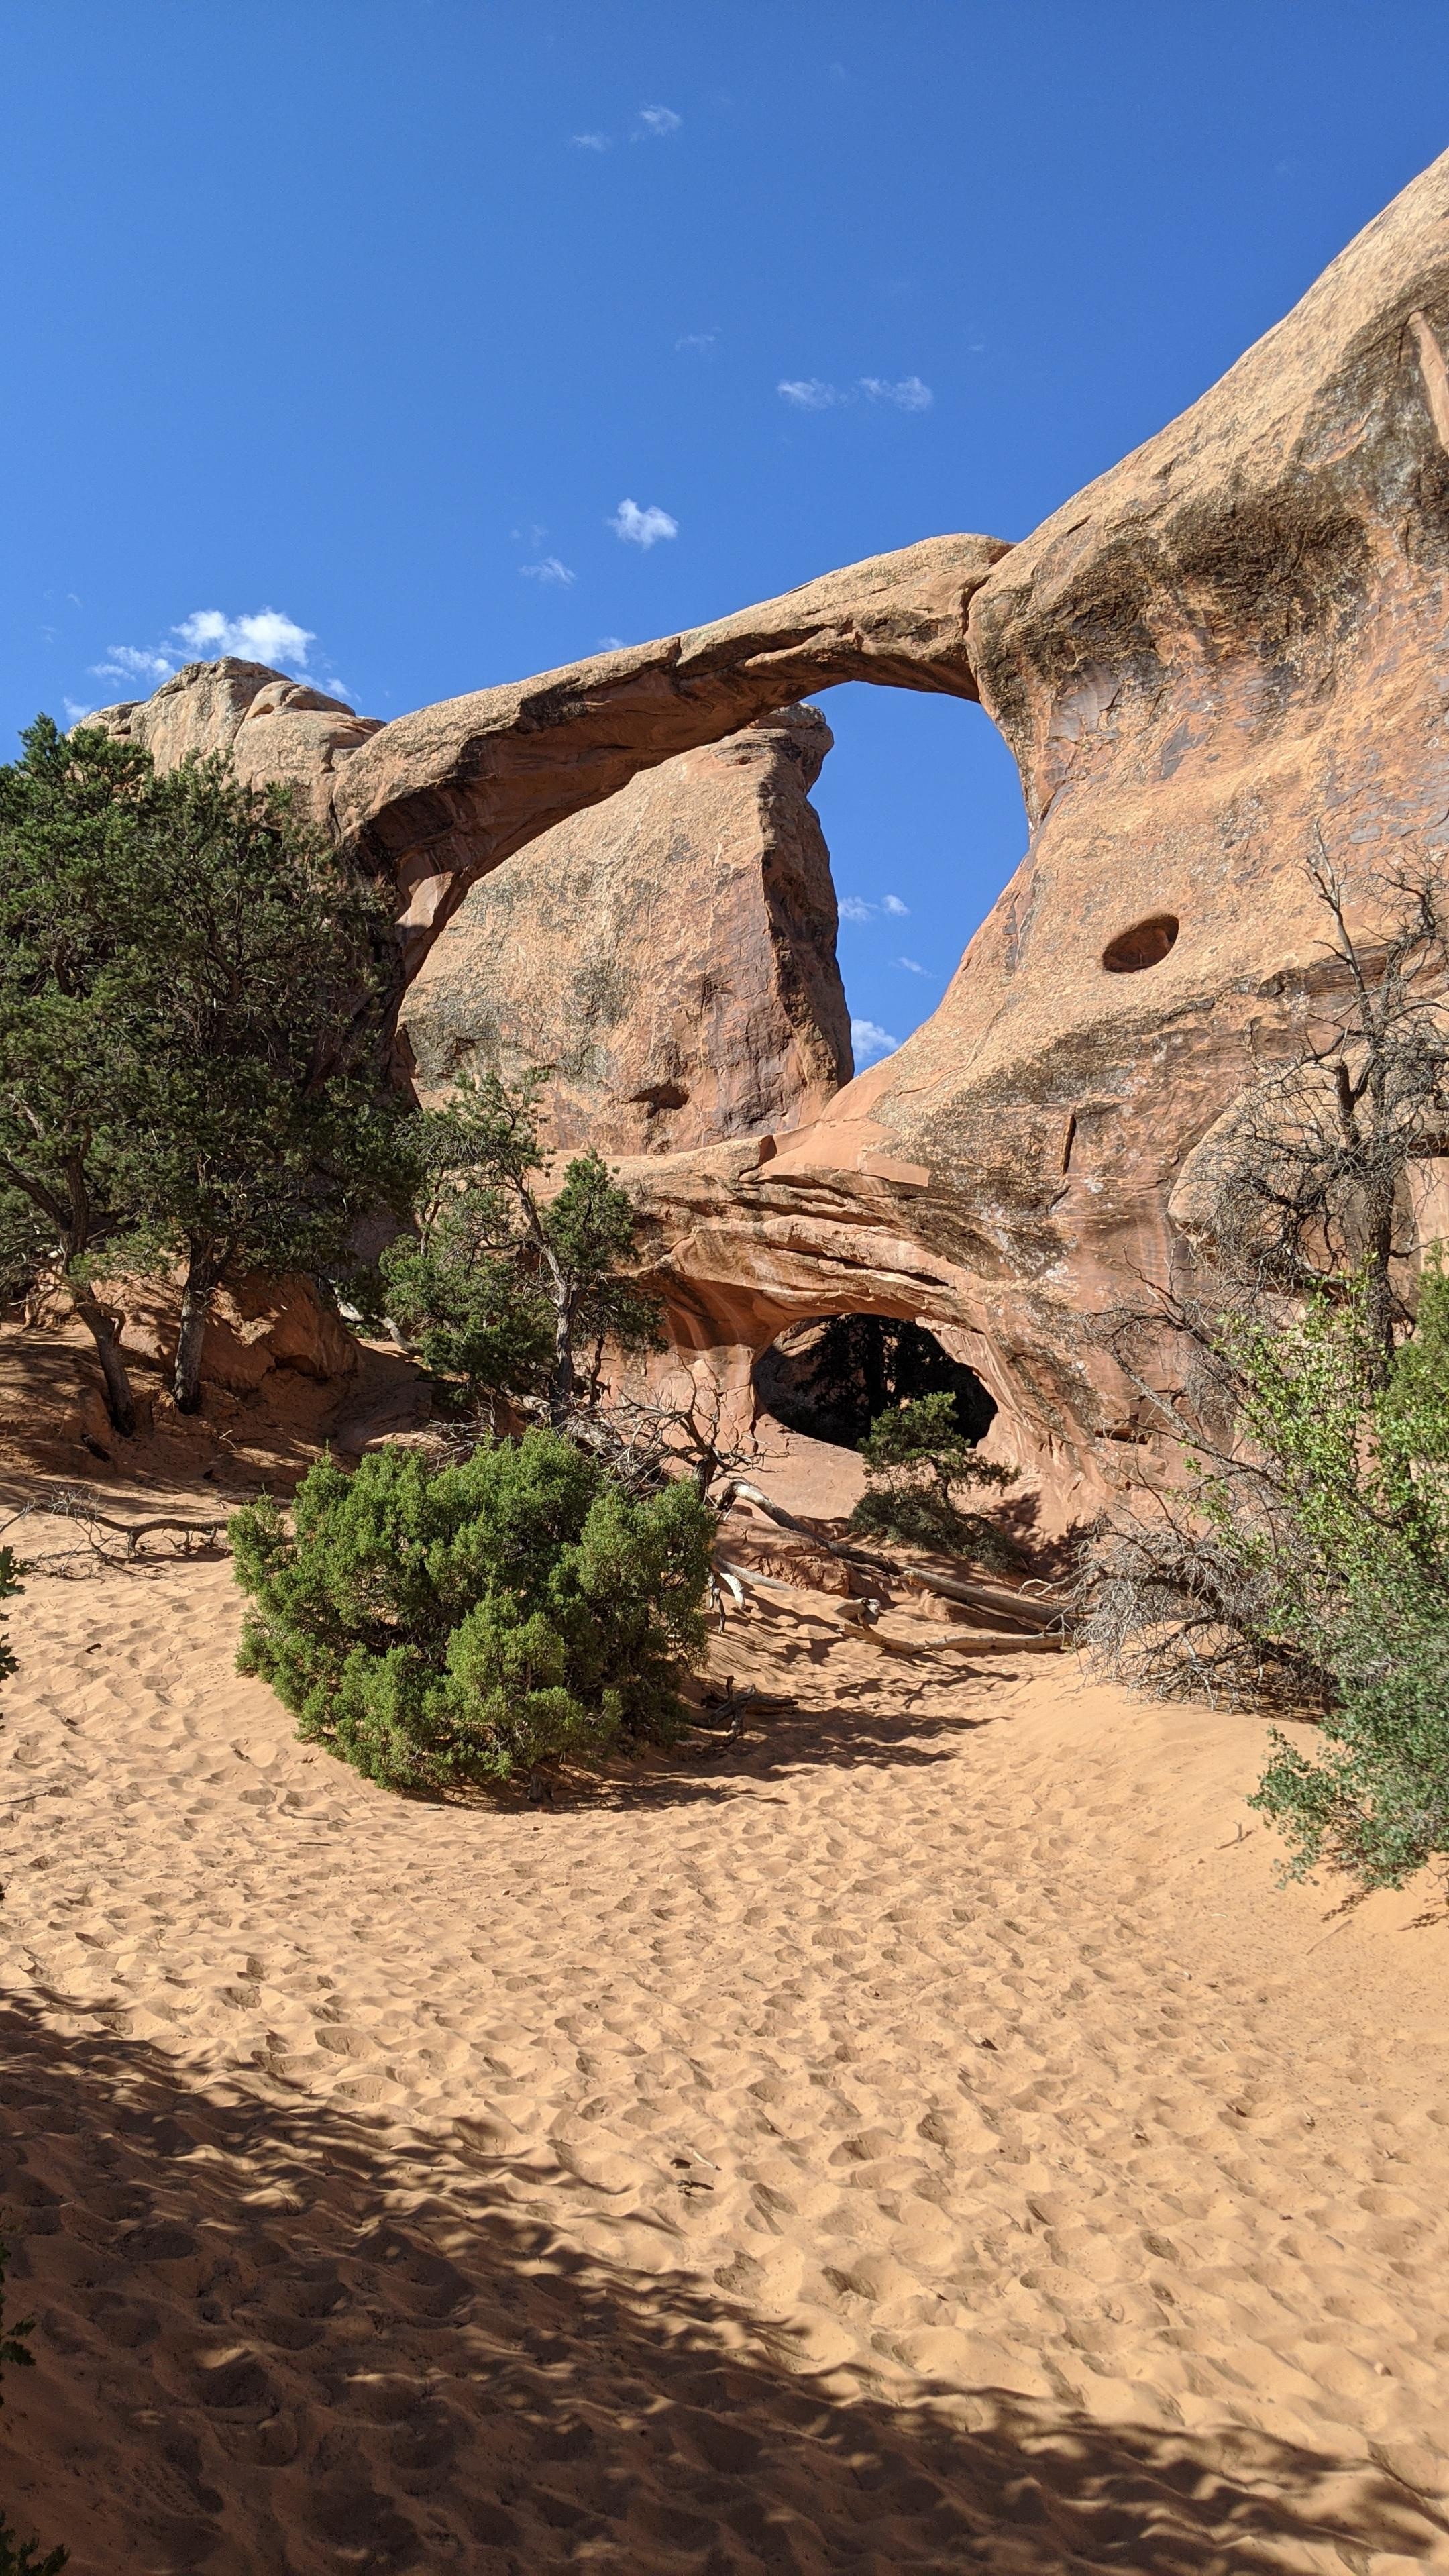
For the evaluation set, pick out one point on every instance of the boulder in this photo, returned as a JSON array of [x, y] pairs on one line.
[[256, 1325], [671, 953]]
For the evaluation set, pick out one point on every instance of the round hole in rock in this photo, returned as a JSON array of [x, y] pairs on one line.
[[831, 1376], [1145, 944]]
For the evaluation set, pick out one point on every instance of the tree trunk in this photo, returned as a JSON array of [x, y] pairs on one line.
[[561, 1393], [120, 1402], [201, 1279]]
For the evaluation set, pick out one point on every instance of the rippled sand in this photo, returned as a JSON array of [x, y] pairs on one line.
[[921, 2139]]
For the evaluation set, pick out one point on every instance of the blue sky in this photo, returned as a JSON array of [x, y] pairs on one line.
[[395, 321]]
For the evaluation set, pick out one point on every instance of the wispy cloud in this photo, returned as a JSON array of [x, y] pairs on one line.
[[76, 712], [591, 142], [126, 662], [611, 644], [908, 395], [658, 120], [812, 393], [869, 1040], [912, 967], [854, 907], [642, 527], [808, 393], [549, 570], [699, 340]]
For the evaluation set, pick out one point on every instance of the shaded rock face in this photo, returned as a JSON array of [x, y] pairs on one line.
[[671, 953]]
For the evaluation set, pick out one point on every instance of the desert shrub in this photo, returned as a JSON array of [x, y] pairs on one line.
[[10, 1584], [466, 1623], [1360, 1528], [1313, 1568], [18, 2557], [915, 1458]]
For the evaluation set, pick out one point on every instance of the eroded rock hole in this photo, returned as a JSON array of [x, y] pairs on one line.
[[831, 1376], [1145, 944]]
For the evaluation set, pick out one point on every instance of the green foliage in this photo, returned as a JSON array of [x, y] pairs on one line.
[[193, 993], [18, 2557], [1344, 1541], [465, 1624], [499, 1289], [10, 1584], [915, 1457]]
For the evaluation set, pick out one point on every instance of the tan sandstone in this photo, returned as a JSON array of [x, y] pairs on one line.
[[671, 953]]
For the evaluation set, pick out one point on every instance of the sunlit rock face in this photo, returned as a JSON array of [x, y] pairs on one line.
[[671, 953]]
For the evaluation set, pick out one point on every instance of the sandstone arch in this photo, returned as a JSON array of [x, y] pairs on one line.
[[1230, 643]]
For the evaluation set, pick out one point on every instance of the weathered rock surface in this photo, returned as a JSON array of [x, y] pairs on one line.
[[275, 729], [672, 953]]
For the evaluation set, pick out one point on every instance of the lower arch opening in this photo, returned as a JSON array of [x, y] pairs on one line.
[[831, 1375]]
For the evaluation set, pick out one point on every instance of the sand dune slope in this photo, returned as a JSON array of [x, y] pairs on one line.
[[923, 2139]]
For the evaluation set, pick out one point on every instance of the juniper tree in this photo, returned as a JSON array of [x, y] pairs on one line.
[[193, 986], [915, 1459], [502, 1287]]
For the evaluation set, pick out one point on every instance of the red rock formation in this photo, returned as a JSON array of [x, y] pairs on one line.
[[672, 953], [1231, 643]]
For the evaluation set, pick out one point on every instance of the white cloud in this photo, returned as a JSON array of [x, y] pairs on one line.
[[911, 966], [867, 1039], [76, 712], [549, 570], [892, 903], [660, 120], [808, 393], [697, 340], [591, 142], [853, 907], [642, 527], [268, 635], [909, 395], [611, 644], [126, 663]]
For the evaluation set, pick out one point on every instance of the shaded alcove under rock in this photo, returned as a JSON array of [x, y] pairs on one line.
[[832, 1374]]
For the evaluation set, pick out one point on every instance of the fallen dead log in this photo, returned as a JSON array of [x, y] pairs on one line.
[[853, 1556], [1047, 1615], [854, 1614], [995, 1597], [67, 1505]]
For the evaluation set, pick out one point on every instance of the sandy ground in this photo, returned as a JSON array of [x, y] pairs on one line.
[[920, 2138]]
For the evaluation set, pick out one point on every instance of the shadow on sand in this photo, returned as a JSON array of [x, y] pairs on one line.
[[274, 2339]]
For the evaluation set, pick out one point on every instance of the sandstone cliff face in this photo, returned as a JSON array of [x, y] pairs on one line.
[[671, 952]]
